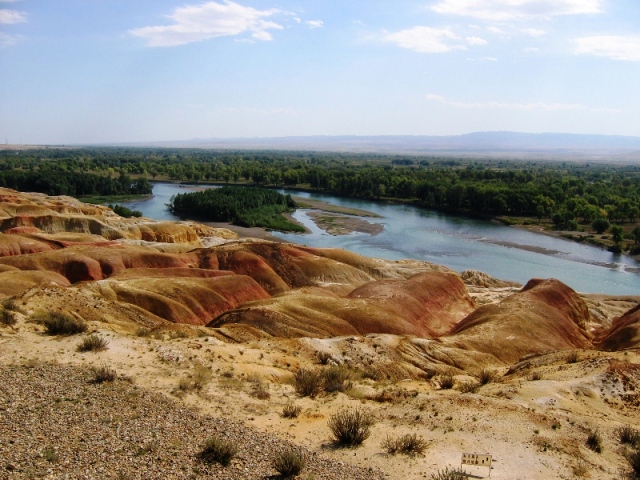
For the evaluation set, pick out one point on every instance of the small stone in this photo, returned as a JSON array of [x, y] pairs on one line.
[[11, 466]]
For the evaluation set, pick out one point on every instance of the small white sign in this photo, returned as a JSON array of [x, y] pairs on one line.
[[477, 459]]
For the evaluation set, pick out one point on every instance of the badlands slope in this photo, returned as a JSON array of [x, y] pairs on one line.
[[173, 297]]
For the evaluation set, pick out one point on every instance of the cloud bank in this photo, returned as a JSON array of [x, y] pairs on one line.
[[517, 106], [617, 47], [12, 16], [501, 10], [194, 23]]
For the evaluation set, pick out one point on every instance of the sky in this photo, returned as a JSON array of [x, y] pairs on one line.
[[109, 71]]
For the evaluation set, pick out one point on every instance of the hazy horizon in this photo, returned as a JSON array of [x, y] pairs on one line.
[[115, 71]]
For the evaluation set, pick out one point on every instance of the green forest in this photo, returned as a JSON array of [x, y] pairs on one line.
[[243, 206], [563, 195]]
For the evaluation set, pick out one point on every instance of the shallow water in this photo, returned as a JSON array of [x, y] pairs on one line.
[[460, 243]]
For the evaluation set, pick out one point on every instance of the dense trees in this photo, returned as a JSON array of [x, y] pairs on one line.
[[567, 194], [243, 206]]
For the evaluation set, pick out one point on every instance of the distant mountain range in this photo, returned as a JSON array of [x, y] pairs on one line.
[[502, 143]]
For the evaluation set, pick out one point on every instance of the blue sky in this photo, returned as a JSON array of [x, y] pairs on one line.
[[90, 71]]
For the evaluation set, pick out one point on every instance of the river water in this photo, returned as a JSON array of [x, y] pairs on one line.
[[460, 243]]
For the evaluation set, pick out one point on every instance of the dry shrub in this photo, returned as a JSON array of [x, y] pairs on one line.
[[103, 373], [537, 375], [308, 383], [594, 441], [291, 410], [634, 461], [629, 436], [324, 357], [337, 379], [218, 450], [289, 463], [92, 343], [59, 323], [572, 357], [197, 380], [260, 391], [580, 469], [468, 387], [486, 376], [446, 382], [449, 474], [350, 427], [409, 444], [7, 318]]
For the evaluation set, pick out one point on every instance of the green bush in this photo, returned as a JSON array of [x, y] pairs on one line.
[[58, 323], [289, 463], [218, 450], [351, 427]]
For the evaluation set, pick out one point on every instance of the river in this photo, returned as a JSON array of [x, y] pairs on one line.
[[460, 243]]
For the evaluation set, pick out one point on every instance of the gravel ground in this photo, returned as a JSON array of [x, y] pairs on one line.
[[56, 423]]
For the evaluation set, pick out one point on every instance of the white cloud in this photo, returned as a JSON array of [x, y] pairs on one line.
[[476, 41], [194, 23], [12, 16], [7, 40], [517, 106], [495, 29], [482, 59], [618, 47], [426, 40], [534, 32], [499, 10], [531, 49], [315, 23]]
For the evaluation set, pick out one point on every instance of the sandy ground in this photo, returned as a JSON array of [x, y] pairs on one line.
[[533, 429]]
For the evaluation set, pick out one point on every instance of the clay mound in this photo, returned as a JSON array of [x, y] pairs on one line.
[[545, 315], [425, 305], [13, 244], [432, 302], [132, 273], [624, 333], [278, 267], [378, 268], [13, 282], [86, 263], [192, 300]]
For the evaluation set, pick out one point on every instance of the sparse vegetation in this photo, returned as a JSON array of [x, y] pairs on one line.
[[629, 436], [59, 323], [351, 427], [103, 373], [260, 391], [409, 444], [594, 441], [572, 357], [197, 380], [7, 318], [218, 450], [468, 387], [537, 375], [289, 463], [634, 461], [50, 455], [92, 343], [486, 376], [446, 381], [291, 410], [580, 469], [336, 379], [308, 383], [449, 474], [324, 357]]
